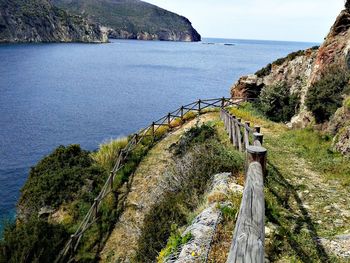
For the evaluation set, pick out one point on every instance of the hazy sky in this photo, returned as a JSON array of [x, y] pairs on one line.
[[295, 20]]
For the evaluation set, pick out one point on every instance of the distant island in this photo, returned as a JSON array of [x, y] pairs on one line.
[[90, 21]]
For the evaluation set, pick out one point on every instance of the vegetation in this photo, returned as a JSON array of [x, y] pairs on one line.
[[35, 241], [267, 70], [175, 241], [59, 177], [325, 96], [108, 153], [277, 103], [304, 177], [131, 16], [200, 155]]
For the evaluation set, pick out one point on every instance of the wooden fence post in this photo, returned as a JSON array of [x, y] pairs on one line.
[[96, 201], [249, 234], [239, 135], [169, 119], [246, 134], [257, 154], [223, 102], [234, 135], [199, 106], [112, 181], [230, 127], [153, 132], [182, 113], [258, 137]]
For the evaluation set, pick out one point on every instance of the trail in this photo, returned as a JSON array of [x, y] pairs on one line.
[[314, 210]]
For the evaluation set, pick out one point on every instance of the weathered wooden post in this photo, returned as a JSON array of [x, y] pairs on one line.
[[169, 119], [223, 102], [234, 136], [182, 113], [153, 131], [230, 127], [112, 179], [258, 137], [246, 134], [257, 154], [249, 234], [96, 201], [239, 135], [225, 122], [199, 106]]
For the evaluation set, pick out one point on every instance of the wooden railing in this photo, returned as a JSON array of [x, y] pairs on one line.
[[249, 234], [149, 132]]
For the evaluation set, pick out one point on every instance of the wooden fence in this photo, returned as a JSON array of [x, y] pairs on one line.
[[249, 234], [151, 131]]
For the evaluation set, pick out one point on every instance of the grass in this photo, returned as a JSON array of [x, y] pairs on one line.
[[175, 241], [108, 152], [304, 176], [198, 155], [224, 233]]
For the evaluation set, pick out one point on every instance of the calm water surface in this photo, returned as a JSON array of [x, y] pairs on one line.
[[53, 94]]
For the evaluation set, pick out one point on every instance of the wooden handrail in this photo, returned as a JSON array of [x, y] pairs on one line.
[[248, 242], [92, 216], [248, 238]]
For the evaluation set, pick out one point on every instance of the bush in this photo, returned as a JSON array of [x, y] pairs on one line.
[[277, 104], [325, 96], [188, 179], [33, 241], [58, 178], [108, 153], [264, 71]]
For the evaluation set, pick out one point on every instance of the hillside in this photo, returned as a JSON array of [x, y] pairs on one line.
[[134, 19], [39, 21], [308, 87]]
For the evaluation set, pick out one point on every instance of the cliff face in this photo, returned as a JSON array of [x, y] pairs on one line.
[[134, 19], [295, 71], [39, 21], [301, 71]]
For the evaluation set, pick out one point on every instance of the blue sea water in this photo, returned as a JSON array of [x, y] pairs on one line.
[[54, 94]]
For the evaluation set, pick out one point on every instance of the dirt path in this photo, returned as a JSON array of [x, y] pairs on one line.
[[145, 192], [308, 214]]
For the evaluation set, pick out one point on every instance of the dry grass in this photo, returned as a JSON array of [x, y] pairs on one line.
[[108, 152], [146, 189]]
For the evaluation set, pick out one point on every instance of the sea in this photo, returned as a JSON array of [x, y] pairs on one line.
[[87, 94]]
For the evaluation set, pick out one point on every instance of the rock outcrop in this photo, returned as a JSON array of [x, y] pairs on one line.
[[295, 71], [39, 21], [303, 69], [134, 19]]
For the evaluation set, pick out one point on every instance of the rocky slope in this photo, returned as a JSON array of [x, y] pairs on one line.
[[39, 21], [134, 19], [301, 71]]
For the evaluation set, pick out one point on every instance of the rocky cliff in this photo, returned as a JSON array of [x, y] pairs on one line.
[[134, 19], [39, 21], [318, 77]]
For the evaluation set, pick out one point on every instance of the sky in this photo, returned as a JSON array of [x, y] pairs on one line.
[[289, 20]]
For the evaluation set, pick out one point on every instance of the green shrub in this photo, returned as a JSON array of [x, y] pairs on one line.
[[59, 177], [175, 241], [33, 241], [196, 134], [193, 169], [264, 71], [277, 103], [325, 96]]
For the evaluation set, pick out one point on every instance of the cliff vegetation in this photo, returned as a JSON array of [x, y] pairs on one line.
[[134, 19]]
